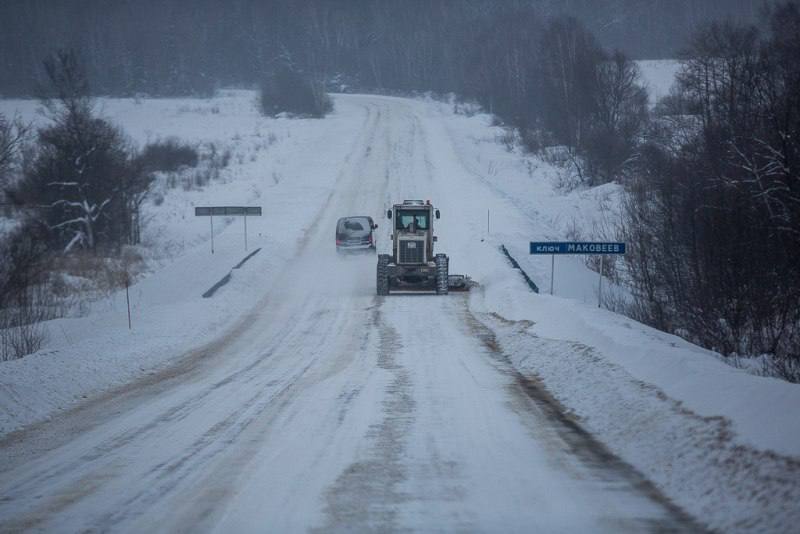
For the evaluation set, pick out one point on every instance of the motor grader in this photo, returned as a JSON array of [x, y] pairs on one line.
[[413, 266]]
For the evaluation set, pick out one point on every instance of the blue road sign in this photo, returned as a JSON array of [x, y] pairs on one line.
[[576, 247]]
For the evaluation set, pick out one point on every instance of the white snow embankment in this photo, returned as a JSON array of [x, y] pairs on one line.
[[684, 372], [720, 442]]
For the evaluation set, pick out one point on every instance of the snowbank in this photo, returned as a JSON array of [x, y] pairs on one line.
[[723, 444]]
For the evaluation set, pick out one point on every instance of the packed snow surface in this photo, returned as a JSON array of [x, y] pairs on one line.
[[295, 399]]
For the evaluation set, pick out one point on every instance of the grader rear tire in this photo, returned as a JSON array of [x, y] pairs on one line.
[[382, 279], [442, 272]]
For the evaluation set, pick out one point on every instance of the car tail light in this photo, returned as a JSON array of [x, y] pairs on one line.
[[338, 241]]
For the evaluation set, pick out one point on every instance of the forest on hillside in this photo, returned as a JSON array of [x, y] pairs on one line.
[[181, 47]]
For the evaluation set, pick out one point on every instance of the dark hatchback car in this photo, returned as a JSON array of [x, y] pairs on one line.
[[355, 233]]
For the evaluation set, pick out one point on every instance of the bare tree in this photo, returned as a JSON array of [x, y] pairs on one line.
[[714, 209], [67, 91], [570, 56], [82, 178], [13, 134], [618, 120]]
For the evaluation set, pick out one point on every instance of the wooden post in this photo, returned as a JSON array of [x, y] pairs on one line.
[[128, 300]]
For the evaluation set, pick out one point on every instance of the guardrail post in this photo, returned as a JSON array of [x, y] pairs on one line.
[[600, 284]]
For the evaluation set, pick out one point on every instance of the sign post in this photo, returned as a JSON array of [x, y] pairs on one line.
[[227, 211], [576, 247], [600, 284]]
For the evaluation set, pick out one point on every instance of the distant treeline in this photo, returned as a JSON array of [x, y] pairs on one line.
[[184, 47]]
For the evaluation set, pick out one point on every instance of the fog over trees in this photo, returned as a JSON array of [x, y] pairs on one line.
[[177, 47]]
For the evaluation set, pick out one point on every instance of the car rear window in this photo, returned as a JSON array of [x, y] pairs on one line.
[[354, 225]]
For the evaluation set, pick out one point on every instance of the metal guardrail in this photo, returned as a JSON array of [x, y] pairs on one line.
[[515, 264], [227, 278]]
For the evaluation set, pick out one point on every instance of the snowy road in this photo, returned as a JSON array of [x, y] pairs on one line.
[[328, 408]]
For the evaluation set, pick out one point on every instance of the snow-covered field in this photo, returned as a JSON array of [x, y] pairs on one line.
[[295, 398]]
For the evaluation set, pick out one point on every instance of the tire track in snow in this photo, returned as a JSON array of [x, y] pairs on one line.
[[366, 495], [167, 474]]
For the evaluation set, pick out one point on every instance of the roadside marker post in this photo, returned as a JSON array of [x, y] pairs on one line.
[[576, 247], [128, 299], [226, 211]]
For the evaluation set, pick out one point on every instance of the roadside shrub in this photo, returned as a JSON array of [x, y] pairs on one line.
[[20, 333], [168, 156], [23, 251], [217, 159], [23, 293], [289, 91]]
